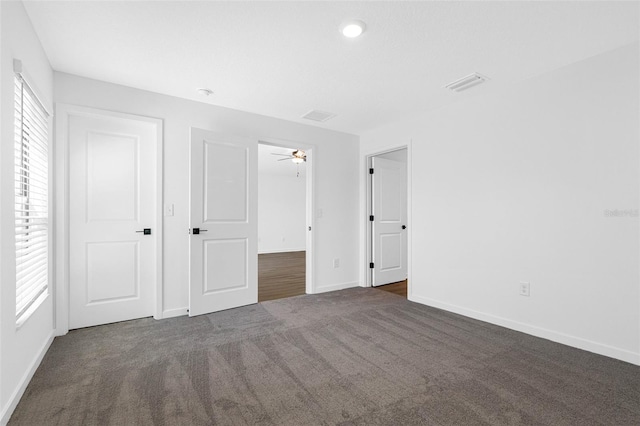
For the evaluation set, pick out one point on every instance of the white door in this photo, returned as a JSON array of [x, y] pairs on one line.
[[389, 201], [223, 270], [112, 198]]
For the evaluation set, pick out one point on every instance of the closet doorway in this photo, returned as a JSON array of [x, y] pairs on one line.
[[387, 233]]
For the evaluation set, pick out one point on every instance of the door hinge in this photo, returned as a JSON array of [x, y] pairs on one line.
[[371, 265], [371, 218], [371, 171]]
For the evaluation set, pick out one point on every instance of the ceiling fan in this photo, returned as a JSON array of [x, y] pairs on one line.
[[297, 156]]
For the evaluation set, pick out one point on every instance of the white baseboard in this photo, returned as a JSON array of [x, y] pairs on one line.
[[334, 287], [171, 313], [24, 381], [554, 336], [289, 250]]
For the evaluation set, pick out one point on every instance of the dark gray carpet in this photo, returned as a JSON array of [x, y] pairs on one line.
[[353, 357]]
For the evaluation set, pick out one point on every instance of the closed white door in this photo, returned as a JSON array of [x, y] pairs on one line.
[[112, 199], [389, 201], [223, 254]]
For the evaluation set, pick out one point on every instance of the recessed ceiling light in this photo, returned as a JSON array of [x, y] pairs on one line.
[[352, 28], [206, 92]]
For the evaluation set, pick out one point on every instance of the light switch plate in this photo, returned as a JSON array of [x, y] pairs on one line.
[[168, 209]]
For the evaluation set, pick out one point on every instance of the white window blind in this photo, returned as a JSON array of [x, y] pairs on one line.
[[31, 199]]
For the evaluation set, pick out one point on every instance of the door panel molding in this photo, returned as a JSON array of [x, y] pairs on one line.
[[61, 291], [220, 269], [128, 273], [223, 158]]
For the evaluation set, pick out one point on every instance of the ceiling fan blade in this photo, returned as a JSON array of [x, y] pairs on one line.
[[283, 155], [284, 159]]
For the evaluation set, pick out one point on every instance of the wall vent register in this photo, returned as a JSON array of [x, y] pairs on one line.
[[318, 116], [466, 82]]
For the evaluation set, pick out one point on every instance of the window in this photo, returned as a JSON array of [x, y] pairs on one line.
[[31, 200]]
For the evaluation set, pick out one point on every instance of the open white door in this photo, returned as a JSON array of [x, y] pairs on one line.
[[223, 270], [113, 198], [389, 235]]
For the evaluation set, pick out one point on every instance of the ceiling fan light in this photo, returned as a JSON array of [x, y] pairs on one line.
[[297, 160]]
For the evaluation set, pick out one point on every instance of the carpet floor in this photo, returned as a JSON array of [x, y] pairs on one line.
[[352, 357]]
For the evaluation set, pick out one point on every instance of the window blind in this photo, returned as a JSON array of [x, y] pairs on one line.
[[31, 199]]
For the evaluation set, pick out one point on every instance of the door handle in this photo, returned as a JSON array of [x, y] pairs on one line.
[[197, 231], [404, 226], [145, 231]]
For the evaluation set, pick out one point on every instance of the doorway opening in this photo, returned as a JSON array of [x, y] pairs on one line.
[[284, 240], [387, 211]]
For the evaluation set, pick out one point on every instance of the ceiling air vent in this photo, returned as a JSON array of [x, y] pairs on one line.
[[318, 115], [466, 82]]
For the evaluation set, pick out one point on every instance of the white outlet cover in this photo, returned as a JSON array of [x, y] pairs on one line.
[[525, 288]]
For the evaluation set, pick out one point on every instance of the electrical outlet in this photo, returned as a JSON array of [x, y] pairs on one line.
[[336, 263], [525, 289]]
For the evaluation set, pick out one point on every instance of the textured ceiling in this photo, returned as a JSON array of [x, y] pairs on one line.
[[283, 59]]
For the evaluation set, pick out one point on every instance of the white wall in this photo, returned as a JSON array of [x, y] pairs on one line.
[[21, 349], [514, 187], [281, 212], [336, 187]]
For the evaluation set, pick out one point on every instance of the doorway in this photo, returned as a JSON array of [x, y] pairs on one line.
[[387, 235], [283, 220]]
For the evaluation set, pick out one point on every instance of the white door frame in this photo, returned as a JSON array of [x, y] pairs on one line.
[[368, 273], [310, 241], [61, 208]]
